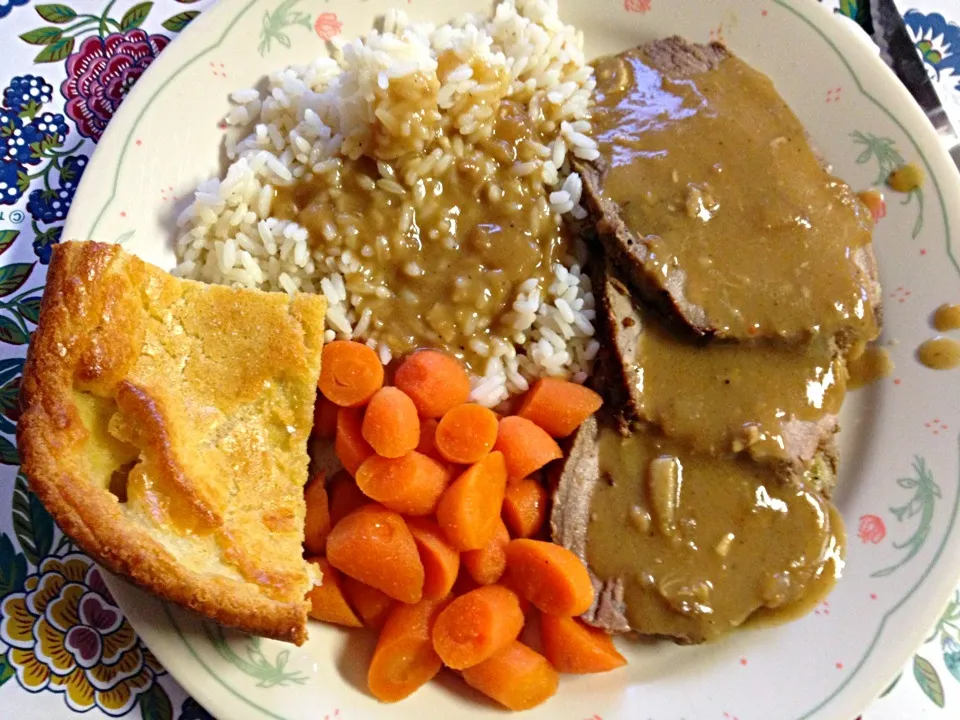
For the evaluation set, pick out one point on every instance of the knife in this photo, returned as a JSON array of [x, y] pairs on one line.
[[882, 21]]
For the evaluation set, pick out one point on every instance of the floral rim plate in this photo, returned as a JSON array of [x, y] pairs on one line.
[[900, 478]]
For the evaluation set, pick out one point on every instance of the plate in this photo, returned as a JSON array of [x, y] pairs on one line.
[[899, 487]]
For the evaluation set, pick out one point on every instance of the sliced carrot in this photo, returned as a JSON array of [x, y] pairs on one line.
[[573, 647], [526, 447], [470, 508], [477, 625], [524, 507], [412, 484], [350, 373], [316, 524], [488, 564], [549, 576], [507, 582], [374, 545], [441, 561], [559, 406], [345, 497], [404, 658], [327, 602], [516, 677], [434, 381], [372, 605], [324, 418], [349, 445], [466, 433], [390, 423], [427, 444]]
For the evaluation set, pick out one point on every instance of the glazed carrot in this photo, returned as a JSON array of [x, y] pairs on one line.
[[573, 647], [516, 677], [371, 605], [350, 373], [317, 521], [412, 484], [559, 406], [374, 545], [349, 445], [427, 445], [434, 381], [549, 576], [324, 418], [404, 658], [477, 625], [488, 564], [466, 433], [524, 507], [526, 447], [470, 508], [390, 423], [509, 584], [441, 561], [327, 602], [345, 497]]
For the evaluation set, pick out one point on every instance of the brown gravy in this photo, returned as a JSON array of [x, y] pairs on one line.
[[940, 353], [872, 364], [947, 317]]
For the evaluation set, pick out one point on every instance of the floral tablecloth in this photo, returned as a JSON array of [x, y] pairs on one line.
[[65, 647]]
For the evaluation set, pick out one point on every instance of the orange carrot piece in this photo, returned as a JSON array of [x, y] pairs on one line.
[[526, 447], [327, 602], [371, 605], [573, 647], [466, 433], [488, 564], [350, 373], [345, 497], [412, 484], [404, 659], [549, 576], [477, 625], [441, 561], [434, 381], [509, 584], [427, 445], [470, 508], [390, 423], [316, 524], [516, 677], [349, 445], [374, 545], [524, 507], [324, 418], [559, 406]]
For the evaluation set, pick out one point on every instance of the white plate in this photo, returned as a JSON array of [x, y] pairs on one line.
[[899, 489]]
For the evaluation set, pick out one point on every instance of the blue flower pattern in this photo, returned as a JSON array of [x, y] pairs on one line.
[[938, 42]]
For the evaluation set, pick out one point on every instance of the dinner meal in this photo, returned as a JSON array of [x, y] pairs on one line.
[[473, 337]]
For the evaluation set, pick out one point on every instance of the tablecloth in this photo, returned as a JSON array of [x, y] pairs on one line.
[[64, 69]]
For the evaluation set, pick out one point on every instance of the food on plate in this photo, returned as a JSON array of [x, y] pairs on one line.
[[516, 677], [165, 425]]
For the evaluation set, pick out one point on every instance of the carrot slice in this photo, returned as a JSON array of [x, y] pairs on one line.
[[559, 406], [404, 659], [350, 373], [316, 524], [324, 418], [466, 433], [549, 576], [349, 445], [345, 497], [477, 625], [374, 545], [524, 507], [516, 677], [327, 602], [390, 423], [488, 564], [427, 445], [470, 508], [434, 381], [526, 447], [412, 484], [441, 561], [372, 605], [573, 647]]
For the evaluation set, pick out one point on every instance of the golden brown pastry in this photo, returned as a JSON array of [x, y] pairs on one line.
[[165, 425]]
